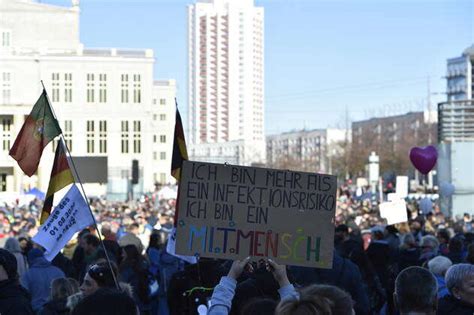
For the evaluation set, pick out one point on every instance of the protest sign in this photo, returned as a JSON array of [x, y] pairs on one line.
[[232, 212], [402, 186], [69, 216], [394, 211]]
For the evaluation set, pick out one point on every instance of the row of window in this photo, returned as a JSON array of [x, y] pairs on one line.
[[96, 88]]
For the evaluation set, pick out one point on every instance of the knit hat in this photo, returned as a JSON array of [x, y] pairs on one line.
[[8, 261]]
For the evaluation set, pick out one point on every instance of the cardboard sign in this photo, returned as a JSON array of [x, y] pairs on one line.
[[394, 211], [232, 212]]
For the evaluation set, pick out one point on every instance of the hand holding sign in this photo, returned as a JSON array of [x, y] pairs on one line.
[[424, 159]]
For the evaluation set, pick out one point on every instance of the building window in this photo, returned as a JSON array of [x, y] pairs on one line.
[[154, 101], [162, 117], [6, 87], [90, 88], [68, 87], [6, 133], [155, 116], [163, 178], [55, 84], [155, 155], [162, 155], [124, 88], [102, 136], [137, 93], [162, 101], [162, 138], [68, 134], [90, 136], [137, 136], [6, 42], [154, 138], [103, 88], [124, 136]]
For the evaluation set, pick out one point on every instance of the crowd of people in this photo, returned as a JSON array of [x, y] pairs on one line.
[[423, 266]]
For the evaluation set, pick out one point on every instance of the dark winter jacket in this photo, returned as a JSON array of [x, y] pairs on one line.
[[37, 280], [344, 274], [451, 306], [55, 307], [14, 299]]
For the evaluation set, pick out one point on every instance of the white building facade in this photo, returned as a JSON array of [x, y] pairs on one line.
[[460, 72], [105, 99], [308, 150], [226, 80]]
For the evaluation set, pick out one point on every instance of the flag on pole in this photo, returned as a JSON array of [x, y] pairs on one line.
[[61, 176], [39, 129], [71, 215], [180, 152]]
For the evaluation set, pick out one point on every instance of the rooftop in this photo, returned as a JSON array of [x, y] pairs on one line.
[[81, 51]]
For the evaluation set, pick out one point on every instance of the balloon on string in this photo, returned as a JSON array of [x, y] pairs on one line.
[[446, 189], [425, 205], [424, 159]]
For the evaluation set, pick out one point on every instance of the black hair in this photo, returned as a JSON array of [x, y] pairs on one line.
[[92, 240], [136, 261], [106, 302]]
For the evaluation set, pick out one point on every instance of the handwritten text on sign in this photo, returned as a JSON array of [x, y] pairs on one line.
[[68, 217], [233, 212]]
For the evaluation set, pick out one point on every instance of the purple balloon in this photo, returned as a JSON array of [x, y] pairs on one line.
[[424, 159]]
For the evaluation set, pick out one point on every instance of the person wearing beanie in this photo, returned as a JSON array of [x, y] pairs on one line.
[[37, 280], [14, 299]]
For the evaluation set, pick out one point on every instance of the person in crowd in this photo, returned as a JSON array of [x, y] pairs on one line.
[[455, 250], [25, 244], [91, 249], [162, 267], [392, 238], [13, 246], [205, 274], [438, 267], [344, 274], [443, 238], [14, 299], [98, 276], [353, 250], [416, 230], [409, 254], [61, 289], [131, 239], [460, 283], [110, 242], [106, 302], [470, 254], [134, 270], [429, 248], [317, 299], [65, 264], [38, 278], [380, 255], [221, 300], [79, 256], [416, 292]]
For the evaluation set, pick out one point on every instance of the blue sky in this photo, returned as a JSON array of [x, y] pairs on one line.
[[369, 57]]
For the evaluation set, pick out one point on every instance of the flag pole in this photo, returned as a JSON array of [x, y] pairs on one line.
[[83, 192]]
